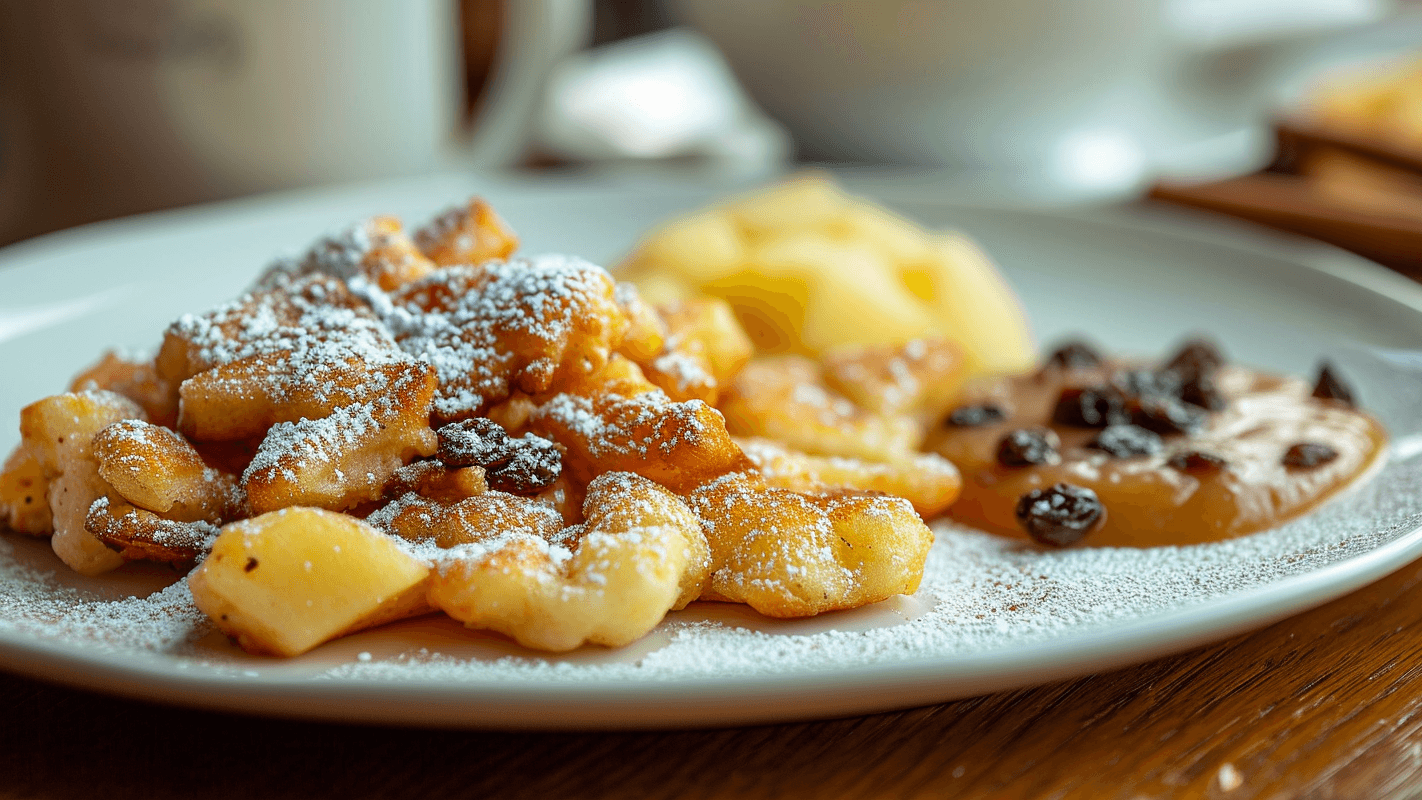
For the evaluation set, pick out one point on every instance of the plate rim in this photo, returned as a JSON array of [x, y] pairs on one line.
[[697, 702]]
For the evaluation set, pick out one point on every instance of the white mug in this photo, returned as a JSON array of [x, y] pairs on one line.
[[1064, 97], [121, 105]]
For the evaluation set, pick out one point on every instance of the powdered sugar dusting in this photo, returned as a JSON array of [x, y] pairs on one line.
[[35, 605], [292, 447], [312, 321], [440, 228], [492, 328], [646, 425], [682, 368], [196, 534]]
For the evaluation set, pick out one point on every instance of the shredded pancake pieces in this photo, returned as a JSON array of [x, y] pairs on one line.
[[393, 424]]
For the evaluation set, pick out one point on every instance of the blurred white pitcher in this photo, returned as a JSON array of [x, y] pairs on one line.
[[130, 104]]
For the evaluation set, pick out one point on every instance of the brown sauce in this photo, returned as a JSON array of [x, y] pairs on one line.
[[1236, 482]]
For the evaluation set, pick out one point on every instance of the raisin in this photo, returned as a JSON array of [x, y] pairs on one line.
[[1331, 387], [518, 466], [1201, 391], [1307, 455], [1060, 515], [1167, 415], [1091, 407], [1196, 357], [1196, 461], [1027, 446], [533, 468], [1135, 383], [975, 416], [1074, 355], [472, 442], [1127, 441]]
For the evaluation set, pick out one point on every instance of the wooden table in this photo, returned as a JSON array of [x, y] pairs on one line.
[[1325, 704]]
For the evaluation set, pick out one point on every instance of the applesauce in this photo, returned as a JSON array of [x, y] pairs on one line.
[[1247, 451]]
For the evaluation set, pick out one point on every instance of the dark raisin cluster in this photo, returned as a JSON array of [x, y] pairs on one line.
[[518, 466], [1091, 407], [1175, 398]]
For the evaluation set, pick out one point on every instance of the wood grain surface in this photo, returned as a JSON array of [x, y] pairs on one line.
[[1325, 704]]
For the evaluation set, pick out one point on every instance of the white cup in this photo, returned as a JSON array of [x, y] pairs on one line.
[[121, 105], [1063, 97]]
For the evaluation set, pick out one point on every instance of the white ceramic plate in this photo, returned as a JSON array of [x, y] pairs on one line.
[[990, 616]]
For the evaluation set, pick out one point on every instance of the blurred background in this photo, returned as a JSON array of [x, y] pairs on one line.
[[1302, 114]]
